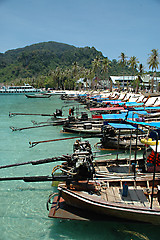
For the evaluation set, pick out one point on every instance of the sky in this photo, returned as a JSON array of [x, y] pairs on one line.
[[111, 26]]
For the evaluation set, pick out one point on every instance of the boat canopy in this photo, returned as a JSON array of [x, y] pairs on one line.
[[96, 97], [83, 95], [114, 116], [155, 124], [129, 114], [107, 109], [151, 124], [131, 104], [140, 108], [121, 126], [112, 102], [135, 114], [101, 99], [139, 123], [147, 108]]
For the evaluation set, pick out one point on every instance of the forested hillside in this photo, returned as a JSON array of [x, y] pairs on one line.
[[52, 64]]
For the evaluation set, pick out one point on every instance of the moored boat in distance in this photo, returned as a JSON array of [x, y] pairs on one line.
[[38, 95], [19, 89]]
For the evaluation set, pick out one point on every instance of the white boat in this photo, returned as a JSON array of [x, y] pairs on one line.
[[57, 92], [25, 89]]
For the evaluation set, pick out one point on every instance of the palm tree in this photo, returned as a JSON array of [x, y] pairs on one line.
[[123, 63], [95, 67], [133, 61], [118, 86], [105, 67], [127, 86], [58, 76], [153, 60], [111, 84], [91, 75], [141, 69], [140, 74], [67, 78], [75, 68], [75, 73]]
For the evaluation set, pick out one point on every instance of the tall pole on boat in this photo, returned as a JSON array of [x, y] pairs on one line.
[[130, 151], [154, 173], [118, 144], [135, 156]]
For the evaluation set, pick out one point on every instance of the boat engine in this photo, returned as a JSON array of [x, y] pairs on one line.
[[82, 146], [84, 116], [80, 163], [58, 113]]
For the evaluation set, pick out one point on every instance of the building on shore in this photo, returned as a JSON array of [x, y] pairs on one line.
[[146, 81], [123, 82]]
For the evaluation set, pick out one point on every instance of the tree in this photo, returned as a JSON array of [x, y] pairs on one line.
[[127, 86], [141, 70], [136, 84], [140, 75], [153, 61], [123, 63], [96, 67], [75, 72], [90, 74], [58, 76], [133, 61], [110, 84], [118, 86], [105, 67]]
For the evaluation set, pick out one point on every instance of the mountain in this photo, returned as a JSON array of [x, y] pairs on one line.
[[39, 59], [36, 64]]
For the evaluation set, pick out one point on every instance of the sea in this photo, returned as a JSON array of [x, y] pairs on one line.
[[23, 212]]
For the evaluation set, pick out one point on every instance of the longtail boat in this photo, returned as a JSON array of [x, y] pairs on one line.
[[87, 195], [38, 95], [121, 135], [108, 199], [84, 128]]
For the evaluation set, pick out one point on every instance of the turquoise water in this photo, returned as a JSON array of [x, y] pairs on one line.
[[23, 213]]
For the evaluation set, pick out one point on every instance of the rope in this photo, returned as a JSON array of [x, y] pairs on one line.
[[49, 199], [56, 168], [66, 171]]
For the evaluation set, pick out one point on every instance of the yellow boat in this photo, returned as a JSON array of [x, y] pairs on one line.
[[149, 141]]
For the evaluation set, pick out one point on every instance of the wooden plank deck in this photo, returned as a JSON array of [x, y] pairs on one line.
[[119, 169], [103, 169], [118, 197], [135, 197], [110, 195], [142, 197]]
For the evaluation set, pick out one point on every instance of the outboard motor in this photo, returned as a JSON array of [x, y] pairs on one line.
[[71, 119], [84, 116], [80, 162], [58, 113], [82, 146], [83, 165]]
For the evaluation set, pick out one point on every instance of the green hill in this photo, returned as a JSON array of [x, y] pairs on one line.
[[39, 61]]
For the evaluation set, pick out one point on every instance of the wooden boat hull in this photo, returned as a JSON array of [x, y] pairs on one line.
[[38, 96], [112, 143], [82, 130], [95, 204]]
